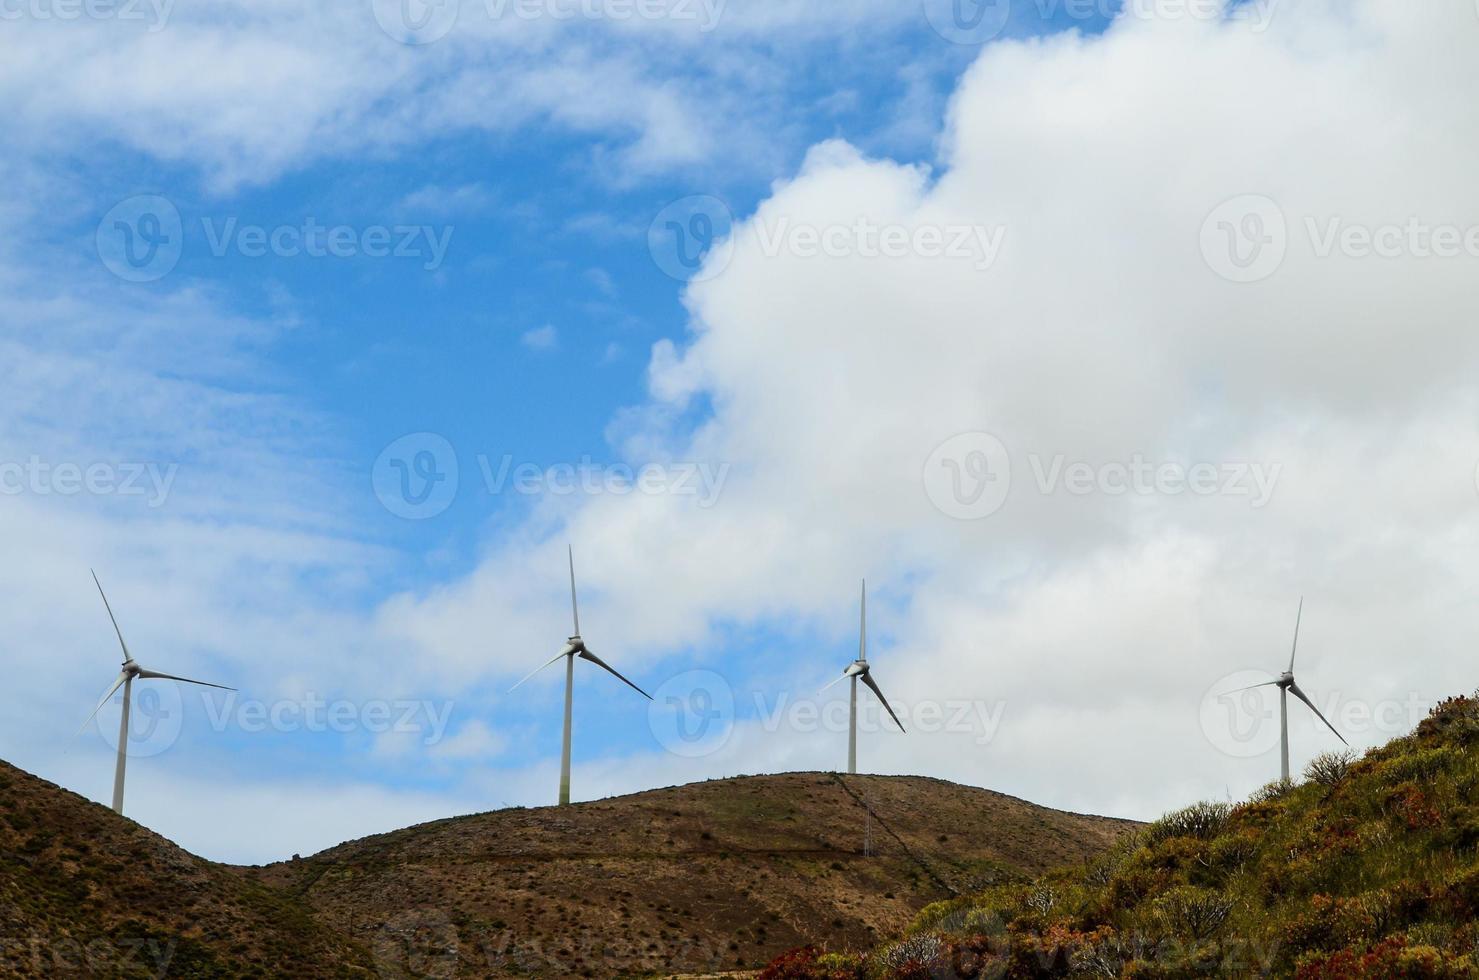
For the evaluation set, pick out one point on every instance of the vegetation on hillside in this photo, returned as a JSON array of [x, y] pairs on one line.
[[87, 893], [1366, 869]]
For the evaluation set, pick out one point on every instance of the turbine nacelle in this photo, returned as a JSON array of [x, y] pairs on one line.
[[856, 668]]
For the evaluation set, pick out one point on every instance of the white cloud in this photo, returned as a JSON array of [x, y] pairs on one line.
[[248, 91], [542, 338], [1101, 335]]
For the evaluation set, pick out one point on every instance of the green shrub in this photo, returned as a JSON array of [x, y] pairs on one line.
[[1200, 820], [1330, 769]]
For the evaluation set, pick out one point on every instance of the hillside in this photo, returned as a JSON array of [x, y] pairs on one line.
[[84, 892], [1366, 869], [715, 875], [708, 877]]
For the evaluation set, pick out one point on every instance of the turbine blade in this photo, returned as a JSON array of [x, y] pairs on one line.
[[842, 677], [863, 626], [154, 674], [1295, 649], [111, 691], [868, 679], [1294, 689], [569, 649], [126, 655], [587, 655], [1250, 687], [574, 607]]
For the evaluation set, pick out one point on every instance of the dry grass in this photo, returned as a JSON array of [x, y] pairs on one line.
[[706, 880]]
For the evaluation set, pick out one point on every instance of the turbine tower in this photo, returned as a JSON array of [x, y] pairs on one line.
[[856, 671], [1286, 685], [131, 671], [574, 647]]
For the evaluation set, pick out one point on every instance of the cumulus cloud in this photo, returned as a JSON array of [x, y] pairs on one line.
[[1107, 334]]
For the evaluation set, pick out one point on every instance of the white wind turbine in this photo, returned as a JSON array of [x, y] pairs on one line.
[[574, 647], [125, 680], [1287, 686], [856, 671]]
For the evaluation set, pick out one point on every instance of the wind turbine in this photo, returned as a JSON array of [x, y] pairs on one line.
[[856, 671], [125, 680], [574, 647], [1287, 686]]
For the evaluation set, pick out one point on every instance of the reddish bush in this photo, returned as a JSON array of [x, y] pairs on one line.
[[803, 964], [1391, 959]]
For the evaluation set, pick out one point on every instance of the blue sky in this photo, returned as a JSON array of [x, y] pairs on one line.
[[535, 322]]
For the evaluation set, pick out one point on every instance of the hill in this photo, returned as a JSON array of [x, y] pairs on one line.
[[692, 879], [710, 876], [84, 892], [1368, 868]]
